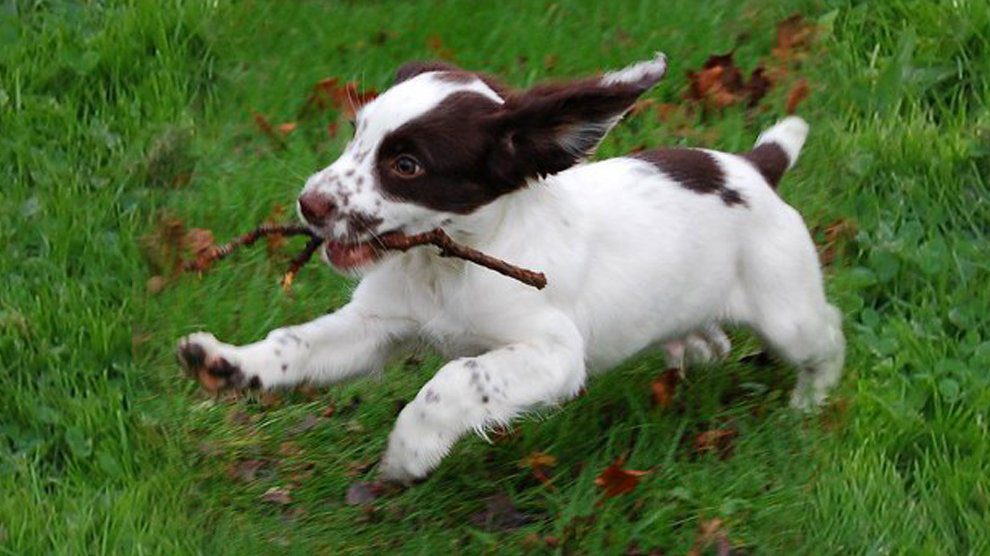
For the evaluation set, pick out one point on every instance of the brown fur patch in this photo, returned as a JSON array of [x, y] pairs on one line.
[[693, 169], [771, 160]]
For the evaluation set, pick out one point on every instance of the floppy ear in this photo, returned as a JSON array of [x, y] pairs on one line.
[[416, 67], [550, 128]]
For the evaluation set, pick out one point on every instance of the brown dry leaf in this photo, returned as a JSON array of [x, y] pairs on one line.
[[797, 94], [500, 515], [163, 248], [641, 105], [436, 46], [199, 240], [277, 495], [363, 493], [155, 285], [757, 87], [346, 99], [615, 480], [329, 411], [836, 235], [711, 531], [289, 448], [664, 387], [794, 37], [717, 441], [539, 463], [332, 129], [358, 468], [286, 128], [307, 422], [268, 130], [717, 83], [247, 470]]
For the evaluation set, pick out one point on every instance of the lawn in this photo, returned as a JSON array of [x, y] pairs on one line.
[[123, 124]]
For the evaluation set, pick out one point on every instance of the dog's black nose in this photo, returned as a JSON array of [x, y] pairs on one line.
[[316, 207]]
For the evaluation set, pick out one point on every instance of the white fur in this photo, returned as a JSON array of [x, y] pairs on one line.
[[634, 261]]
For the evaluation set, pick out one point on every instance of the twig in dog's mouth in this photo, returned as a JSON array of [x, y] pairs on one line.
[[393, 242]]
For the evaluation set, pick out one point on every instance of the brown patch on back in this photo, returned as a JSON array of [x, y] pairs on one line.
[[693, 169], [771, 160]]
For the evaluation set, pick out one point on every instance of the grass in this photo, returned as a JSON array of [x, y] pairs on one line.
[[113, 114]]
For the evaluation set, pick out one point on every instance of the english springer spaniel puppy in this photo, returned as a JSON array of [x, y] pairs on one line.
[[656, 249]]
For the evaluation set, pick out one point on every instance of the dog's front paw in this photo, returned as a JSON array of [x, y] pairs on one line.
[[211, 363]]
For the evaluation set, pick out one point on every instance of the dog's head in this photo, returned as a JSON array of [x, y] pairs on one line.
[[443, 142]]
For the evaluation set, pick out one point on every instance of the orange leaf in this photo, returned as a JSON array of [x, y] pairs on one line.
[[286, 128], [794, 36], [436, 46], [615, 480], [798, 93], [199, 240], [539, 463], [715, 440], [664, 387]]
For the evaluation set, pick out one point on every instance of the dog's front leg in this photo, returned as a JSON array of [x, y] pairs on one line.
[[474, 394], [352, 341]]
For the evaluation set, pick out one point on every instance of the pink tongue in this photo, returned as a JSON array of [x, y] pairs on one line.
[[348, 256]]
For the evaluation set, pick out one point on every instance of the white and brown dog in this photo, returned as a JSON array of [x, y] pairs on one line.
[[653, 249]]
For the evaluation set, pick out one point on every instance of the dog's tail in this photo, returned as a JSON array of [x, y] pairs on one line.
[[777, 148]]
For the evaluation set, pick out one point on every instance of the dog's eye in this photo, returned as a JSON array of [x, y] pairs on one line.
[[406, 166]]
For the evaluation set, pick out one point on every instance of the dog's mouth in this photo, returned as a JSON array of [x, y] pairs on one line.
[[348, 255]]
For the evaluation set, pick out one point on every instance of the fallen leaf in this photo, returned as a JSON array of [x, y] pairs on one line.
[[717, 441], [539, 463], [797, 94], [711, 531], [834, 238], [550, 62], [332, 129], [289, 448], [794, 37], [199, 240], [664, 387], [436, 46], [306, 423], [286, 128], [277, 495], [363, 493], [329, 93], [615, 480], [246, 470], [268, 130], [500, 515], [720, 84], [329, 411], [155, 285], [358, 468], [757, 87]]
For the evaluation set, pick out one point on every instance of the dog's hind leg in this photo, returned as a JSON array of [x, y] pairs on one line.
[[703, 346], [785, 304], [479, 393]]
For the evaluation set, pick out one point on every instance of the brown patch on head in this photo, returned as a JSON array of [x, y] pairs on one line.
[[449, 73], [693, 169], [471, 149], [771, 160], [416, 67], [451, 143]]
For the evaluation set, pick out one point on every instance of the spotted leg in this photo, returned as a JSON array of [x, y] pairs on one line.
[[477, 393], [350, 342]]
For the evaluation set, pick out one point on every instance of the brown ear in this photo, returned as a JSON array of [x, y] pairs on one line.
[[416, 67], [550, 128]]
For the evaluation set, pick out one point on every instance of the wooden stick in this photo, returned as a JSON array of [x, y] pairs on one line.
[[396, 242], [450, 248]]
